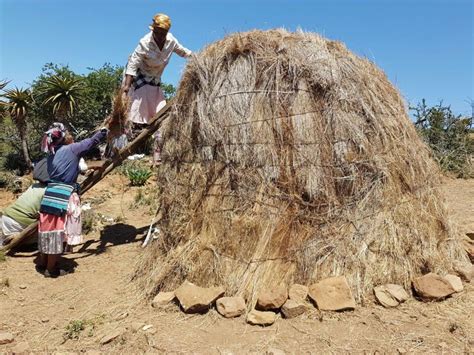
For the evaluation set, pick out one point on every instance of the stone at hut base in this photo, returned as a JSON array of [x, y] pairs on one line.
[[298, 292], [384, 297], [332, 294], [231, 307], [390, 295], [163, 299], [272, 298], [195, 299], [292, 308], [398, 292], [261, 318], [455, 282], [432, 287]]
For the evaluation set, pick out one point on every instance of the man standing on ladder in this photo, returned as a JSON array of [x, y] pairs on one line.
[[143, 76]]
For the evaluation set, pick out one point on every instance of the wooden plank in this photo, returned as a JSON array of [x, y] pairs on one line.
[[106, 168]]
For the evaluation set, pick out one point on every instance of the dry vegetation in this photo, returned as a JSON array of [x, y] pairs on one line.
[[289, 159]]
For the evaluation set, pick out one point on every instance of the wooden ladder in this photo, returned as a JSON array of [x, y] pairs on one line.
[[106, 168]]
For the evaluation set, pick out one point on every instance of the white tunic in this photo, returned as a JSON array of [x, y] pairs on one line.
[[150, 60]]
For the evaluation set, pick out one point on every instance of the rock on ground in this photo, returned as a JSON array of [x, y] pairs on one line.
[[432, 287], [332, 294], [272, 298], [455, 282], [231, 307], [390, 295], [384, 297], [111, 336], [6, 338], [292, 308], [397, 291], [261, 318], [163, 299], [195, 299], [298, 292]]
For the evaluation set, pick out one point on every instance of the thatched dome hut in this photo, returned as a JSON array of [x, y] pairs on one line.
[[290, 159]]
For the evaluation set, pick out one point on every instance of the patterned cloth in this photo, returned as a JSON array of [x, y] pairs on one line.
[[141, 80], [56, 198], [73, 221], [53, 138], [51, 233], [161, 21]]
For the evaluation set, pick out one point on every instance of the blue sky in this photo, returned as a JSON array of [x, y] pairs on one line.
[[424, 46]]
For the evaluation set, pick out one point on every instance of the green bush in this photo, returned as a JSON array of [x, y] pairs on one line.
[[74, 329], [138, 176], [93, 105], [448, 136]]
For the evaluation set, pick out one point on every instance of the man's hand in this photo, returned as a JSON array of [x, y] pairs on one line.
[[127, 84]]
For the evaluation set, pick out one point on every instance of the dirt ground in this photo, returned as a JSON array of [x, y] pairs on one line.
[[47, 315]]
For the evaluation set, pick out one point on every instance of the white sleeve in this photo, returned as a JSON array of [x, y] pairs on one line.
[[82, 165], [135, 60], [181, 51]]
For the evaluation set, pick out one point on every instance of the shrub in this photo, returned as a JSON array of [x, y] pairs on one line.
[[74, 328], [448, 136], [138, 176]]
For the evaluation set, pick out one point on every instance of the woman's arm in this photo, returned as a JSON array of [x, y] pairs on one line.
[[83, 146]]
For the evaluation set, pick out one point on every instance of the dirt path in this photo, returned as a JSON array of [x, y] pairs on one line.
[[99, 297]]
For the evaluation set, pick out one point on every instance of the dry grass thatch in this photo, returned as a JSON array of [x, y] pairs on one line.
[[117, 120], [289, 159]]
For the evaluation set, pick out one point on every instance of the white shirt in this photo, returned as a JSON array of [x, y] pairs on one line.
[[150, 60]]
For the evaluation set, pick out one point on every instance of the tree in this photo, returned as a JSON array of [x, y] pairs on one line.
[[100, 87], [447, 135], [168, 90], [17, 105], [63, 92], [82, 101], [3, 105]]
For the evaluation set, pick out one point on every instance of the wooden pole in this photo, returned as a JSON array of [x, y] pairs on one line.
[[99, 174]]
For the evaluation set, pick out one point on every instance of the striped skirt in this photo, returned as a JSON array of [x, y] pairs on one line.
[[51, 233]]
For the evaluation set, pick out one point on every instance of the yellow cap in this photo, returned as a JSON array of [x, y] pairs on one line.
[[161, 21]]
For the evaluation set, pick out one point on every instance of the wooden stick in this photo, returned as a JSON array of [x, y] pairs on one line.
[[106, 168]]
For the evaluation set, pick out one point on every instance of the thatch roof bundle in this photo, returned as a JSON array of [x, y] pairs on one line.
[[289, 159]]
